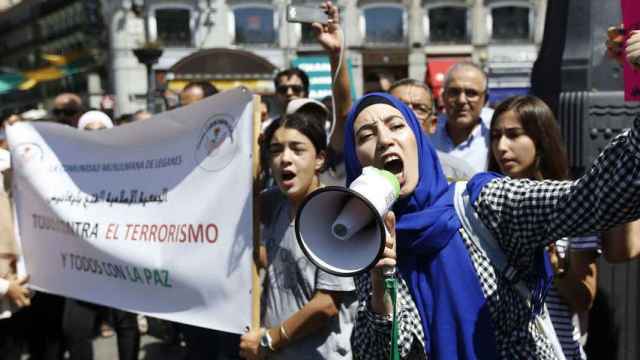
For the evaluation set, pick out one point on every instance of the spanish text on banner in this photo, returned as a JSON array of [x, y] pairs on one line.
[[151, 217]]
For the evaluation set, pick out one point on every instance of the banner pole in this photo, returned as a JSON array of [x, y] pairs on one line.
[[255, 278]]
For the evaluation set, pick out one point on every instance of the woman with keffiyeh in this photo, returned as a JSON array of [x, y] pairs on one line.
[[453, 302]]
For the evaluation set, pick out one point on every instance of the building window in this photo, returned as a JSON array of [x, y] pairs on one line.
[[254, 25], [384, 24], [448, 25], [173, 27], [511, 24]]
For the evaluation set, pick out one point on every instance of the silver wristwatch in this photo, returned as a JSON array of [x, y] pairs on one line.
[[266, 343]]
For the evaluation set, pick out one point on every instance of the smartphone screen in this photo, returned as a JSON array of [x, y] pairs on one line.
[[306, 14]]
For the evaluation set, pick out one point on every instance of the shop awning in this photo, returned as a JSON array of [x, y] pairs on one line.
[[260, 86], [225, 68], [61, 66]]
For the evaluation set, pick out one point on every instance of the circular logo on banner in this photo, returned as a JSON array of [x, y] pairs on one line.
[[28, 152], [216, 146]]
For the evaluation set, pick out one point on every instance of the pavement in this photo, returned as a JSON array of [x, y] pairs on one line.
[[106, 348], [150, 349]]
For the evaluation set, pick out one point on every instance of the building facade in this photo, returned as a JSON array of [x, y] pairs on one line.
[[47, 47], [395, 38]]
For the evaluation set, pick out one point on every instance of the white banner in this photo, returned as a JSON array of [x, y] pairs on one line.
[[153, 217]]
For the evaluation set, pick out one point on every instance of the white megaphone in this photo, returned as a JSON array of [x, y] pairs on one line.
[[341, 230]]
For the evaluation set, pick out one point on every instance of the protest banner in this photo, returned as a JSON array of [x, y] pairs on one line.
[[631, 19], [152, 217]]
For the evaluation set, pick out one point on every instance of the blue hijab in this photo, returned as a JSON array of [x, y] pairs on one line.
[[432, 257]]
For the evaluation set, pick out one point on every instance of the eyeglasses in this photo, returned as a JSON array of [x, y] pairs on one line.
[[421, 110], [64, 112], [471, 94], [283, 89]]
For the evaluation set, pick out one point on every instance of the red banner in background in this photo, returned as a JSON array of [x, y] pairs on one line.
[[631, 19]]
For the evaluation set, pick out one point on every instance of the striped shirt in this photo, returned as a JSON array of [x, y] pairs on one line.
[[565, 322]]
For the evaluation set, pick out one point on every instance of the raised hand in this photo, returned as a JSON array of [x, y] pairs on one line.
[[633, 49], [329, 35], [615, 43], [389, 254]]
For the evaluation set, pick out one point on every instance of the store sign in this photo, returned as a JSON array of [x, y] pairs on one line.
[[318, 68]]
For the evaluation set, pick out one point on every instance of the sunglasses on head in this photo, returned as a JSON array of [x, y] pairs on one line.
[[283, 89], [64, 112]]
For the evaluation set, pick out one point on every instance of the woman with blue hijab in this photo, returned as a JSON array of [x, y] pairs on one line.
[[453, 302]]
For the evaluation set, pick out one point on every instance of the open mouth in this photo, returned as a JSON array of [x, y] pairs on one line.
[[287, 175], [394, 165]]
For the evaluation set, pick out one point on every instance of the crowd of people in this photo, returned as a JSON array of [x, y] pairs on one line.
[[494, 242]]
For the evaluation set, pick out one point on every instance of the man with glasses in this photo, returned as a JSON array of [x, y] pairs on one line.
[[417, 96], [67, 108], [291, 84], [463, 131]]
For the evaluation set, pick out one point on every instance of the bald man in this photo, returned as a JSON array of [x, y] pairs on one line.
[[196, 91], [463, 131], [67, 108]]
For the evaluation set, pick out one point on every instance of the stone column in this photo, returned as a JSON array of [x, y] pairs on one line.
[[127, 75], [479, 31], [417, 57], [540, 11]]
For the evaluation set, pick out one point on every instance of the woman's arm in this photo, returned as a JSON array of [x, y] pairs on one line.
[[622, 243], [312, 317], [578, 285], [331, 37], [525, 215], [371, 334]]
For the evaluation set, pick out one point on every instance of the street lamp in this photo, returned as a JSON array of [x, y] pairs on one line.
[[148, 56]]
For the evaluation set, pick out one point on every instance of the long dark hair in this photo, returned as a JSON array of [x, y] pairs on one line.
[[307, 125], [540, 125]]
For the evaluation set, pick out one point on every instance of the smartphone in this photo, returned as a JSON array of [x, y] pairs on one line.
[[306, 14]]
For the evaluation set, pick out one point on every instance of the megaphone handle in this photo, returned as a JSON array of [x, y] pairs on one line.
[[391, 287]]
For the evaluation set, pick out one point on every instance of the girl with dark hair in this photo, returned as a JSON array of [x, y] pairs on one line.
[[455, 301], [525, 144], [530, 118], [306, 312]]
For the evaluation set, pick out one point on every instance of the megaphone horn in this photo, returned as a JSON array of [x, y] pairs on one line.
[[341, 230]]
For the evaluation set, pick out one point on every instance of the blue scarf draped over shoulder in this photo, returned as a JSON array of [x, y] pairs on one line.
[[432, 257]]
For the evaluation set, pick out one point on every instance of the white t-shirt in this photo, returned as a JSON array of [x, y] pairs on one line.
[[291, 282], [455, 169], [565, 322]]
